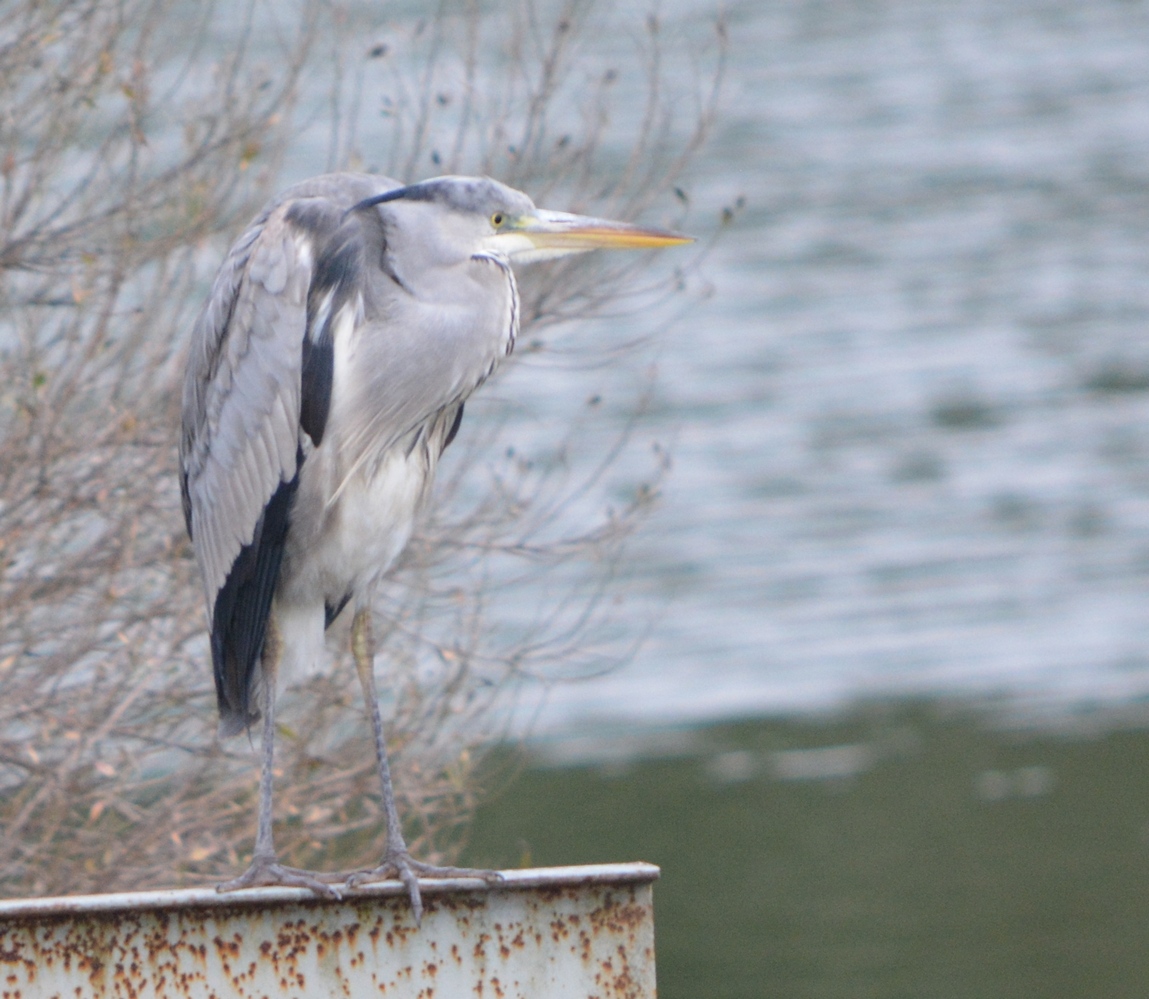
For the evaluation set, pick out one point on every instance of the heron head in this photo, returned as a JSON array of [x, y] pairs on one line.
[[480, 215]]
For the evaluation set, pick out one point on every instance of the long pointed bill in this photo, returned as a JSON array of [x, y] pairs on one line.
[[562, 233]]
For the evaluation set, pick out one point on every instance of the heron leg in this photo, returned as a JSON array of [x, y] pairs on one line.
[[265, 868], [397, 860]]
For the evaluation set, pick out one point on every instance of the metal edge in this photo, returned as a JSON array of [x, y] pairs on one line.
[[637, 872]]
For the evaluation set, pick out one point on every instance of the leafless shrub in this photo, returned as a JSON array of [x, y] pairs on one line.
[[132, 144]]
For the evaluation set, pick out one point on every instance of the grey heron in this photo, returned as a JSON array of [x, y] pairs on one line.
[[328, 371]]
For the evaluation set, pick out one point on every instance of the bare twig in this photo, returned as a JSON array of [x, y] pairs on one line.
[[131, 148]]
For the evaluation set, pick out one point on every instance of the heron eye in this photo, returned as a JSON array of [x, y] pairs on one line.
[[497, 219]]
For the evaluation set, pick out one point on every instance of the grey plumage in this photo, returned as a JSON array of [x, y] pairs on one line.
[[328, 370], [310, 269]]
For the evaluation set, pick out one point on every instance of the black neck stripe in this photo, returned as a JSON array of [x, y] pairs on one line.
[[416, 192]]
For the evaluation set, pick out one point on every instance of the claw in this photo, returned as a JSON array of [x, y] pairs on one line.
[[268, 871], [399, 865]]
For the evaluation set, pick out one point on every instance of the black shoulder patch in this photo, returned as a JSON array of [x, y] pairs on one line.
[[332, 611], [242, 607], [315, 389], [454, 427], [334, 283], [337, 267], [185, 501], [316, 216]]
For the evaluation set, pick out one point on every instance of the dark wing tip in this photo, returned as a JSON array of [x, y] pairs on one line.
[[243, 607], [234, 723]]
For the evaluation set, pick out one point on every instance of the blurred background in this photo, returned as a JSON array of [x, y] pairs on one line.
[[868, 668], [887, 736]]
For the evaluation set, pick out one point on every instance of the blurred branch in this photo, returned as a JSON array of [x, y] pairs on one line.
[[135, 139]]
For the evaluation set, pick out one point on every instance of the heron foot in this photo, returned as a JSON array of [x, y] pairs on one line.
[[398, 864], [268, 871]]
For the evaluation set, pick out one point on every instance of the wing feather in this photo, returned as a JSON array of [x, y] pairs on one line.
[[240, 452], [240, 448], [241, 397]]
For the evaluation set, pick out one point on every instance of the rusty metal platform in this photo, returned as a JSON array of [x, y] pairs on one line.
[[559, 933]]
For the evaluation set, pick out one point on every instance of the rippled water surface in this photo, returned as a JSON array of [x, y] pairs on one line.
[[911, 426], [909, 423], [911, 442]]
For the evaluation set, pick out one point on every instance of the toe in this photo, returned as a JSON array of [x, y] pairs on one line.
[[263, 873]]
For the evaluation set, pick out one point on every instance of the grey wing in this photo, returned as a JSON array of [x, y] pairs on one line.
[[242, 392], [241, 448]]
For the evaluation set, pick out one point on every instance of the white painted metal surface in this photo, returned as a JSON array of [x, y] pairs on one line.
[[559, 933]]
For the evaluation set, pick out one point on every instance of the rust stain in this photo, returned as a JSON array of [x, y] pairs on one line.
[[499, 945], [481, 946], [584, 948]]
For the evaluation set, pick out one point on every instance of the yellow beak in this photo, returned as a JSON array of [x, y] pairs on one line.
[[574, 233]]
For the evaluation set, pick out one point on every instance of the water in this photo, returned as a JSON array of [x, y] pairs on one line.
[[895, 852], [910, 461], [909, 426], [908, 422]]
